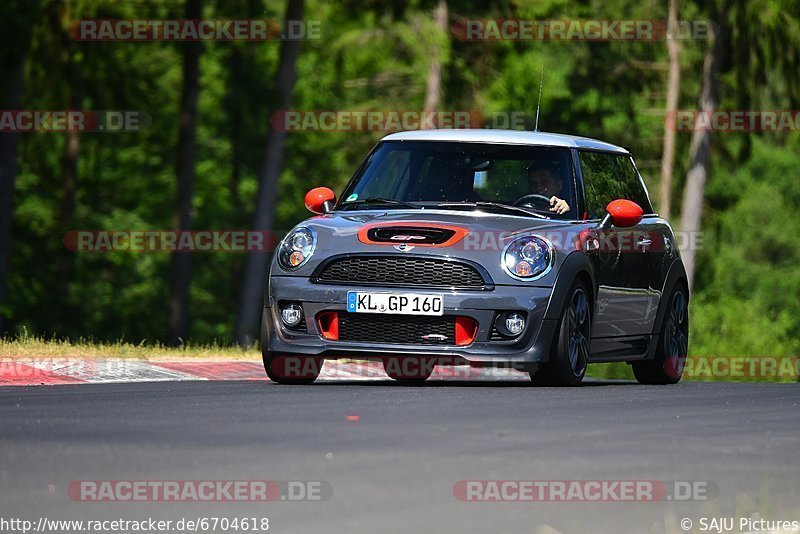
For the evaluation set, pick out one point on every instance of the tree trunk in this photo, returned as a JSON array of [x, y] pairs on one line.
[[673, 91], [69, 183], [236, 133], [251, 296], [184, 171], [700, 162], [241, 92], [433, 92], [13, 69]]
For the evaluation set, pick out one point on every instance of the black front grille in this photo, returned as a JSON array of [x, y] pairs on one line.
[[401, 271], [397, 329], [495, 335], [299, 327]]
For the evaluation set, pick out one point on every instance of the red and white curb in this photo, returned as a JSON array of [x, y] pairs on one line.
[[55, 371]]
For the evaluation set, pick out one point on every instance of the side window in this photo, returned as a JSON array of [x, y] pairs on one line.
[[607, 177], [600, 183], [634, 184]]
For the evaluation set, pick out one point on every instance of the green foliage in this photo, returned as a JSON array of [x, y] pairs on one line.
[[747, 298], [375, 56]]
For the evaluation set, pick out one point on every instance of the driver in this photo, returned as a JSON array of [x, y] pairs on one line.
[[542, 181]]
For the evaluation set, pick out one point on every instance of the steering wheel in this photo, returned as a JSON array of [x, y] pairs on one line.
[[534, 200]]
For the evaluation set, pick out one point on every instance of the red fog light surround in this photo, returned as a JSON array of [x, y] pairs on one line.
[[328, 325], [466, 330]]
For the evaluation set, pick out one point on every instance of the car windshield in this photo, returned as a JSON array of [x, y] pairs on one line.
[[509, 178]]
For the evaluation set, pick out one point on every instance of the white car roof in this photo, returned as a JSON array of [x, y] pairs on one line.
[[509, 137]]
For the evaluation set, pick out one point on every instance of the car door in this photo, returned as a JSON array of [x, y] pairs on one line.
[[622, 262], [662, 248], [655, 241]]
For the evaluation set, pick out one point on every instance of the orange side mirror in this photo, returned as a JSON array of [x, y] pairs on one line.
[[320, 200], [622, 214]]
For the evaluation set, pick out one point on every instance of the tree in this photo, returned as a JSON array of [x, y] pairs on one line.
[[69, 163], [185, 174], [433, 92], [12, 66], [673, 90], [764, 71], [700, 153], [251, 295], [13, 57]]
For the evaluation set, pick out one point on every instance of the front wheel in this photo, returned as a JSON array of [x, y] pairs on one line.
[[292, 369], [409, 371], [673, 345], [569, 353]]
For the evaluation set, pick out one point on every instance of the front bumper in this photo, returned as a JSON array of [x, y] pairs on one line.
[[531, 347]]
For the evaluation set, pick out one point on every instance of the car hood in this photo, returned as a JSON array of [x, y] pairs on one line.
[[481, 238]]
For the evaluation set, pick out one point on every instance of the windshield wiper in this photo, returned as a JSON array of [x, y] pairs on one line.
[[493, 205], [378, 201]]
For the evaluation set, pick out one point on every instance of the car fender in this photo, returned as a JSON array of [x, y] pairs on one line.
[[572, 266], [675, 273]]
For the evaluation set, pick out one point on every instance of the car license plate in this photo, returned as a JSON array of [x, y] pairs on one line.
[[395, 303]]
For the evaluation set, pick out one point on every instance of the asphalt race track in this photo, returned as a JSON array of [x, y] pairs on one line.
[[393, 454]]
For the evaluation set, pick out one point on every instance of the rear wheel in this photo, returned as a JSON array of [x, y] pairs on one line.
[[409, 370], [569, 353], [292, 369], [673, 345]]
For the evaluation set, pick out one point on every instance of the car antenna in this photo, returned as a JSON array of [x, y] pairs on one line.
[[539, 103]]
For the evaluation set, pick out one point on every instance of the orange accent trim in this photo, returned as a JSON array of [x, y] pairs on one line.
[[460, 233], [466, 330], [328, 325]]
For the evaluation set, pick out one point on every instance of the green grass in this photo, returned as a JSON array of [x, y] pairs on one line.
[[33, 347], [610, 370], [28, 347], [717, 369]]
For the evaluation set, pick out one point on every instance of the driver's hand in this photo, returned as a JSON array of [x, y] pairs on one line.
[[558, 205]]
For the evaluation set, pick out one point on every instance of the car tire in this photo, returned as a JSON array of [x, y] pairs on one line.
[[408, 371], [292, 369], [673, 344], [569, 351]]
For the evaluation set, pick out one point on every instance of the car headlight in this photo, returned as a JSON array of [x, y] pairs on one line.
[[296, 248], [528, 258]]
